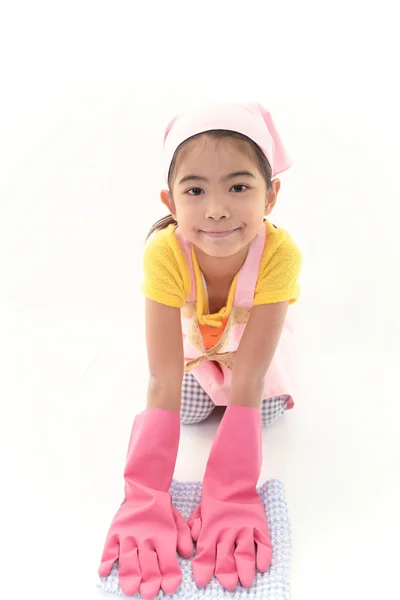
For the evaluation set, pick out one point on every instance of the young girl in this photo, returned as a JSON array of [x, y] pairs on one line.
[[219, 282]]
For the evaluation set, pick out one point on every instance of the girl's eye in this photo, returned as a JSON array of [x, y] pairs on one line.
[[238, 185]]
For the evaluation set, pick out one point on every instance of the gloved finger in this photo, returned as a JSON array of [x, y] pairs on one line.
[[225, 570], [171, 574], [195, 515], [194, 522], [245, 557], [129, 568], [109, 556], [151, 576], [203, 564], [184, 542], [196, 529], [264, 551]]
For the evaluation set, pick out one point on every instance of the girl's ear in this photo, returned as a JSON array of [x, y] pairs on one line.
[[268, 207], [166, 199], [272, 196]]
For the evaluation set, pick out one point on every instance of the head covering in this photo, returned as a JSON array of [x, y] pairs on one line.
[[250, 119]]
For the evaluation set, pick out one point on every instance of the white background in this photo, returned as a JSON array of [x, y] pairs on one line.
[[86, 90]]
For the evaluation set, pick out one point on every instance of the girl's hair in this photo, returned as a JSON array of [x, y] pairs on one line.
[[263, 165]]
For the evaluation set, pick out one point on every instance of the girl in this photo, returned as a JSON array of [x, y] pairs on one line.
[[219, 279]]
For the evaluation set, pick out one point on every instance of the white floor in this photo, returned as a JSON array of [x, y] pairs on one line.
[[70, 390]]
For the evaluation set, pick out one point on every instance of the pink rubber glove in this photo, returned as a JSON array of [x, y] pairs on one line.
[[147, 530], [230, 518]]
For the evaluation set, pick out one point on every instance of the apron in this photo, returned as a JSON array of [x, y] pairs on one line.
[[216, 379]]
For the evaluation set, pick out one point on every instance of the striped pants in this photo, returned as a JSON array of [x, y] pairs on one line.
[[197, 405]]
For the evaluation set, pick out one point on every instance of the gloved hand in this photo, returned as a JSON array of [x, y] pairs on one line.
[[230, 519], [147, 530]]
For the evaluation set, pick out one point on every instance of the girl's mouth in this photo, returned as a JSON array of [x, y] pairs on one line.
[[221, 233]]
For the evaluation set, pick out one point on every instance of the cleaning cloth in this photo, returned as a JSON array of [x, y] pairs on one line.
[[272, 585]]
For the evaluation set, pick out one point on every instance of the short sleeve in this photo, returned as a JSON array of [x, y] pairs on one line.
[[279, 271], [166, 277]]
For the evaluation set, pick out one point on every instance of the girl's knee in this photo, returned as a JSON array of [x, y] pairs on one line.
[[193, 416], [272, 409], [196, 404]]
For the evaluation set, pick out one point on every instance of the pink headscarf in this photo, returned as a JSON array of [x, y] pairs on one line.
[[250, 119]]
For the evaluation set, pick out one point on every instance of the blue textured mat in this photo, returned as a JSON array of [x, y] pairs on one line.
[[272, 585]]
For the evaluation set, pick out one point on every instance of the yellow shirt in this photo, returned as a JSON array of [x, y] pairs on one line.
[[167, 276]]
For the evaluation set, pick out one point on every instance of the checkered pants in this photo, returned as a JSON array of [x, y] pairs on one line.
[[197, 405]]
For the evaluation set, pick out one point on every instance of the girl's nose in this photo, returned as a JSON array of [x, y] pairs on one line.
[[216, 209]]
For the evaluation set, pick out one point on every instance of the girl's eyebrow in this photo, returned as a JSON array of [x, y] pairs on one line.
[[223, 178]]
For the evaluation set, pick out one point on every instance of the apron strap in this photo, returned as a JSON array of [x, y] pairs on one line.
[[248, 274], [186, 248]]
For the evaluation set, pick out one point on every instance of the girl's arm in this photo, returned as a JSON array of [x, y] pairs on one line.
[[255, 353], [165, 356]]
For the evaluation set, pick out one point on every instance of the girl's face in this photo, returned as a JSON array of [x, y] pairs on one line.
[[219, 197]]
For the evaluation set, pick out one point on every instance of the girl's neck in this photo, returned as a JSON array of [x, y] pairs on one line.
[[220, 269]]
